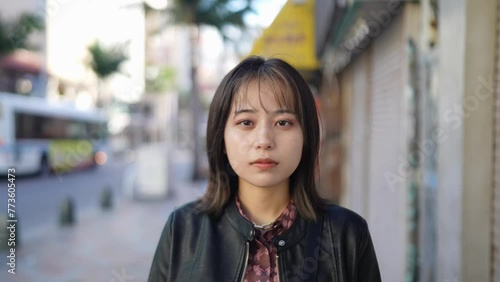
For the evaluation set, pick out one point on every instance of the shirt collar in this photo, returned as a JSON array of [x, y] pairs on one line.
[[285, 220]]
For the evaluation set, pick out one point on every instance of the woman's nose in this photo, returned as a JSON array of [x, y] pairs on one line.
[[265, 138]]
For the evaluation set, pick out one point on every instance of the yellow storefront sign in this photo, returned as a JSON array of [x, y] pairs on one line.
[[291, 36]]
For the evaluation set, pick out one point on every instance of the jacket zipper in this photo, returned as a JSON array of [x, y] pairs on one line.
[[278, 267], [247, 253]]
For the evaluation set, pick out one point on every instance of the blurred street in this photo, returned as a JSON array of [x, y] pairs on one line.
[[103, 245], [39, 198]]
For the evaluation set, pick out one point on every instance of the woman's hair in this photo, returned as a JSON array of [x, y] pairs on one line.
[[290, 89]]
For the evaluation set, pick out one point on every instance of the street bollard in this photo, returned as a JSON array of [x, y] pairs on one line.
[[8, 230], [106, 198], [67, 212]]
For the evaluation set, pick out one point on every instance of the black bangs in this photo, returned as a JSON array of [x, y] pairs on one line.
[[282, 91]]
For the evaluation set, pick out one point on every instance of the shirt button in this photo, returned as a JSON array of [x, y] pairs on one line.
[[281, 243]]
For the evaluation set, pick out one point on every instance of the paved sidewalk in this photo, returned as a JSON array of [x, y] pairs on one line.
[[111, 246]]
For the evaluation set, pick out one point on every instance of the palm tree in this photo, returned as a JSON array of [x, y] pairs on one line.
[[197, 13], [14, 35], [105, 62]]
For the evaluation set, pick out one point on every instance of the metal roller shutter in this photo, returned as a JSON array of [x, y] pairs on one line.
[[386, 202], [496, 161]]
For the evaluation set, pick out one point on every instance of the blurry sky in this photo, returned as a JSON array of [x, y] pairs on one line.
[[267, 11]]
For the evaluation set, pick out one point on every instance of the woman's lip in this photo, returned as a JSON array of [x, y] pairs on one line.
[[265, 165], [264, 161]]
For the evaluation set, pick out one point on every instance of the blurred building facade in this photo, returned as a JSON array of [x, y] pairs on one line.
[[155, 116], [407, 99], [368, 79], [24, 71], [168, 76], [407, 163]]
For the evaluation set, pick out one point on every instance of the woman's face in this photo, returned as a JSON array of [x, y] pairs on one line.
[[263, 144]]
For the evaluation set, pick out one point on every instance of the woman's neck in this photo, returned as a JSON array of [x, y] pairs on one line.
[[263, 205]]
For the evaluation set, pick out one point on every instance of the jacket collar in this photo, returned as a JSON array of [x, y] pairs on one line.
[[238, 222], [290, 237]]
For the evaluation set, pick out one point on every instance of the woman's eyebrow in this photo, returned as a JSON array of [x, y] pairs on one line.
[[242, 111], [277, 112], [283, 111]]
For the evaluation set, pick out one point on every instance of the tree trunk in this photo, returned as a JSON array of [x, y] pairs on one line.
[[195, 103]]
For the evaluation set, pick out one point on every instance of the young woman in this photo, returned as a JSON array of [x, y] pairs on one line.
[[261, 218]]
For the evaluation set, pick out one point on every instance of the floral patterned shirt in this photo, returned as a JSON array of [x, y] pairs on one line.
[[262, 261]]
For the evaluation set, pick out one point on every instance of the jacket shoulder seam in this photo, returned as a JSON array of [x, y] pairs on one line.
[[196, 253], [335, 257]]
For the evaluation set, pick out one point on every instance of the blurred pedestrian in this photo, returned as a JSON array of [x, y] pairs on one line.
[[261, 218]]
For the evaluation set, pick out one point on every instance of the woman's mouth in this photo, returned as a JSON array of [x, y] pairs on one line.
[[265, 163]]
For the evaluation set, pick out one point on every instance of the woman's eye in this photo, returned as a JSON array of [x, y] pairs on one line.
[[245, 122], [283, 123]]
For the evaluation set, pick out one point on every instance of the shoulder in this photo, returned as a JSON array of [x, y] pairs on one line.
[[340, 213], [186, 212], [351, 236], [343, 219], [187, 209], [182, 219]]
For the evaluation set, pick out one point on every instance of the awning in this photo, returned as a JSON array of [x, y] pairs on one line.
[[357, 24], [291, 36], [23, 61]]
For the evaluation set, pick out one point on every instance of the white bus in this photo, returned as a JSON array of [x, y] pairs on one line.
[[38, 137]]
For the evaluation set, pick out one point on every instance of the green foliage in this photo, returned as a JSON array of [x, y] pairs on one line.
[[164, 80], [106, 61], [14, 35], [216, 13]]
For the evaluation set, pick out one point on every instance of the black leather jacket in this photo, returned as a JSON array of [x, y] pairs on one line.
[[195, 247]]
